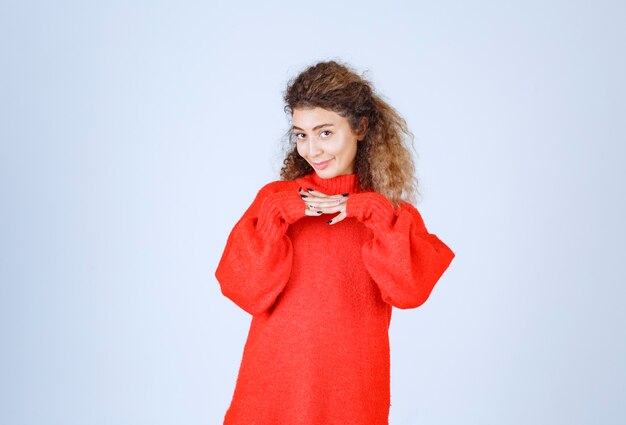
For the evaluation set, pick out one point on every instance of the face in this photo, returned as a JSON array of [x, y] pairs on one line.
[[325, 139]]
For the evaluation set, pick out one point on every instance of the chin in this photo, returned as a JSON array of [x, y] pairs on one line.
[[330, 175], [327, 173]]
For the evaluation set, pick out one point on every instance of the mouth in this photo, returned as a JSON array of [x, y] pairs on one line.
[[321, 165]]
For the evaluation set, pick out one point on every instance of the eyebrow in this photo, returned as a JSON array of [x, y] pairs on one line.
[[316, 127]]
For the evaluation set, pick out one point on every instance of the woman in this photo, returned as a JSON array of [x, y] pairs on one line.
[[321, 291]]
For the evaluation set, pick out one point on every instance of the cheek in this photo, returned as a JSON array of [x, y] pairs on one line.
[[346, 148]]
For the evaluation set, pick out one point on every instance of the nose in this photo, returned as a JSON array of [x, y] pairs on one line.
[[314, 149]]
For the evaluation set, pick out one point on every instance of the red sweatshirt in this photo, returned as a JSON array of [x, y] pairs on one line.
[[320, 297]]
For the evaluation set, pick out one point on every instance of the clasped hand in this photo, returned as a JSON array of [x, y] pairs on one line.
[[318, 203]]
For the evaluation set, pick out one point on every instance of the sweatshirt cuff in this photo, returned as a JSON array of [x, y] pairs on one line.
[[280, 209], [371, 208]]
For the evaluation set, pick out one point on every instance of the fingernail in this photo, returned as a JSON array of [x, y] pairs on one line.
[[319, 212], [345, 194], [304, 196], [329, 221], [300, 189], [309, 189]]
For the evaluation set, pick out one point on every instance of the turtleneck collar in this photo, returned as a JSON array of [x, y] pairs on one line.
[[345, 183]]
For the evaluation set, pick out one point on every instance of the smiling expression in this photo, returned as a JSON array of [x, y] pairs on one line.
[[325, 140]]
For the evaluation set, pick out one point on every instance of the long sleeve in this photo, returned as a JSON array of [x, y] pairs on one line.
[[403, 259], [256, 262]]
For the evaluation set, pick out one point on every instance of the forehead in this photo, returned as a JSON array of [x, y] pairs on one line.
[[310, 117]]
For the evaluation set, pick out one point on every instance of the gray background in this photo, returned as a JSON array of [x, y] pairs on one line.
[[134, 135]]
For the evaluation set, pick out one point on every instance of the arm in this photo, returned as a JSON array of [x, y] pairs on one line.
[[256, 262], [402, 258]]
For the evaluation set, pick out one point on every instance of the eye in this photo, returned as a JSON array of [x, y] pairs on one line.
[[327, 131], [297, 134]]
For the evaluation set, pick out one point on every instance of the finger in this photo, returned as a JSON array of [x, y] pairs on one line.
[[310, 191], [325, 202], [319, 194], [313, 212], [330, 210], [328, 207], [309, 196], [337, 218]]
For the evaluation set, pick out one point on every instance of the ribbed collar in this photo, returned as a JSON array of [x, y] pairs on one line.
[[345, 183]]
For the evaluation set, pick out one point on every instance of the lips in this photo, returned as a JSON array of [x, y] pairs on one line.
[[320, 163]]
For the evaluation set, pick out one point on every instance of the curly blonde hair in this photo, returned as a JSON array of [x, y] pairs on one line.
[[384, 162]]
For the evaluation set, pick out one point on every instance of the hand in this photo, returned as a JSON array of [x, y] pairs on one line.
[[318, 203]]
